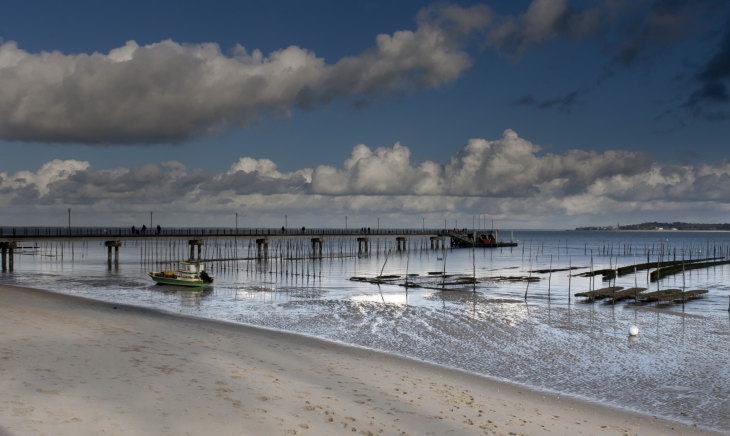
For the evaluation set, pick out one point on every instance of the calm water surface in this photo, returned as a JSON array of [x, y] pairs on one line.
[[678, 367]]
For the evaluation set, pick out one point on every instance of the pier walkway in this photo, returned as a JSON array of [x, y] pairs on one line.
[[31, 234], [14, 238]]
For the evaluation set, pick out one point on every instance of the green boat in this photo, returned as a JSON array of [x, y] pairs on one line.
[[191, 273]]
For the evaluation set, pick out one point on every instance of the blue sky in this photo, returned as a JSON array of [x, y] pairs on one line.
[[643, 77]]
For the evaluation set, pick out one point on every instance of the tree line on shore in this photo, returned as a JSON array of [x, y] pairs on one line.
[[661, 226]]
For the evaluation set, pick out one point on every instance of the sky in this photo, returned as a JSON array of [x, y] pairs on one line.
[[544, 114]]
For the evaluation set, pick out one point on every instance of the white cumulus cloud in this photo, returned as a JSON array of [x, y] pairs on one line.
[[169, 92], [507, 178]]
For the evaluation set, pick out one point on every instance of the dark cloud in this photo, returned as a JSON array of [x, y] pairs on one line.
[[562, 102], [631, 33], [625, 28], [665, 23], [149, 184], [718, 68], [714, 92], [242, 183], [544, 21], [525, 100], [713, 78], [25, 194]]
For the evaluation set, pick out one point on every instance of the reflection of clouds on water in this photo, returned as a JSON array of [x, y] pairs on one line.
[[192, 298], [580, 352], [381, 298], [284, 292]]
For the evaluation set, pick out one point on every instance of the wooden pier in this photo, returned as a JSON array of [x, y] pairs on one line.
[[12, 238]]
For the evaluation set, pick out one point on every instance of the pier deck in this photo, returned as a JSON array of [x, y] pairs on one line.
[[31, 234], [168, 239]]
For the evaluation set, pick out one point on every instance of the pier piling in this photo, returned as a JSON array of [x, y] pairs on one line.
[[8, 249], [196, 242], [317, 246], [262, 248], [363, 245], [109, 245], [435, 240]]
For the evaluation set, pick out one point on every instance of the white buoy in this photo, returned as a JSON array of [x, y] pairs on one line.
[[633, 331]]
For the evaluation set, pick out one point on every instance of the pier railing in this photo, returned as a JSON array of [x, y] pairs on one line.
[[202, 231]]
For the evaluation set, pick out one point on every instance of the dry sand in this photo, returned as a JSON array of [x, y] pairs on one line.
[[72, 366]]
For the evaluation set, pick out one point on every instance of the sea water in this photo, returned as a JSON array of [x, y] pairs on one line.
[[535, 334]]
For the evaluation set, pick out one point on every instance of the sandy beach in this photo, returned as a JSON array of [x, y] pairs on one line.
[[72, 366]]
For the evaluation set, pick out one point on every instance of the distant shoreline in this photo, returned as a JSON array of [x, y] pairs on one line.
[[647, 230], [676, 226]]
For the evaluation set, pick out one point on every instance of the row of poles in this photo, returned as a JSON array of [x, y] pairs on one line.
[[226, 253], [686, 250], [293, 256], [661, 252]]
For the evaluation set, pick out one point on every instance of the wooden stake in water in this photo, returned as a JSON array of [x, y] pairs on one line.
[[408, 261], [683, 282], [636, 285], [570, 274], [591, 278], [528, 279], [658, 267], [613, 296], [443, 280], [474, 267], [550, 276]]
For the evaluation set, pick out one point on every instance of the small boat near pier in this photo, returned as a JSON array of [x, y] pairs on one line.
[[477, 239], [191, 273]]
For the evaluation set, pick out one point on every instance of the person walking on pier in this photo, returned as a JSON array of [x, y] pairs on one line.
[[144, 229], [159, 229]]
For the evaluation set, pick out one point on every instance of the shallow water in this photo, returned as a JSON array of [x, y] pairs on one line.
[[677, 367]]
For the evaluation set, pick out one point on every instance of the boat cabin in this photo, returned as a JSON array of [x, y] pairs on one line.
[[190, 266], [490, 238]]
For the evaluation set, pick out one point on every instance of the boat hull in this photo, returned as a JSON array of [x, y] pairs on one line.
[[460, 244], [179, 282]]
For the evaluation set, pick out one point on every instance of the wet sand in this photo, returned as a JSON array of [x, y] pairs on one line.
[[74, 366]]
